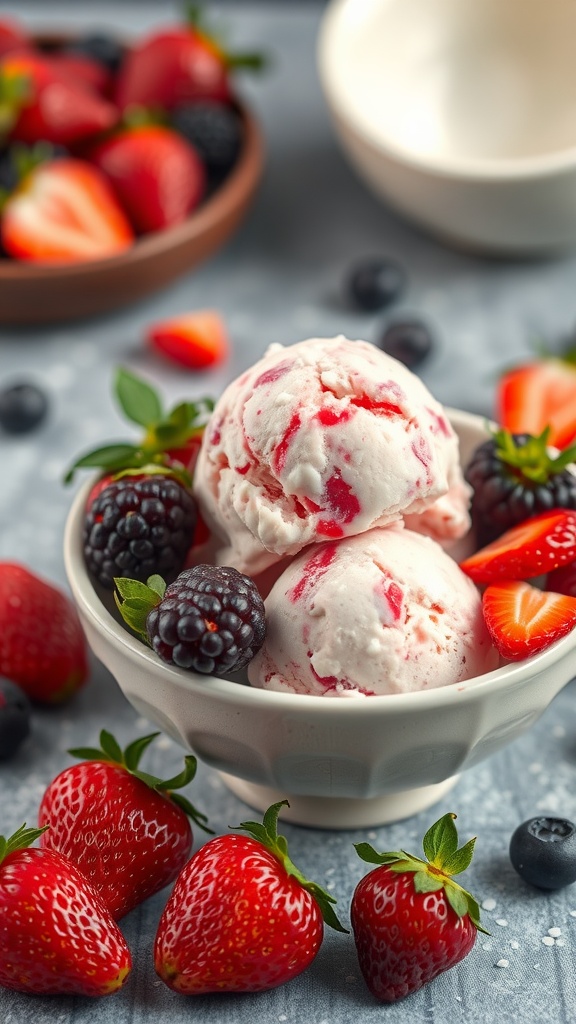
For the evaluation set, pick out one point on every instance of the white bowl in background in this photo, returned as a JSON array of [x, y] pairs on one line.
[[460, 114], [340, 763]]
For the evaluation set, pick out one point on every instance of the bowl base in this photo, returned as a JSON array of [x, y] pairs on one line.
[[340, 812]]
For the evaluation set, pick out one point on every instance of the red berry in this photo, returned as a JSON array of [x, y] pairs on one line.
[[42, 646], [128, 832], [535, 395], [64, 211], [523, 620], [56, 935], [241, 917], [533, 547], [197, 340], [410, 921]]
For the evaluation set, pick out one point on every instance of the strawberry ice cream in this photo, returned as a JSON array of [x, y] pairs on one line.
[[322, 440], [385, 612]]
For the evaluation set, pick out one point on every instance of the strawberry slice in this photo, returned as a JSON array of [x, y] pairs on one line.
[[64, 211], [540, 394], [197, 340], [529, 549], [523, 620]]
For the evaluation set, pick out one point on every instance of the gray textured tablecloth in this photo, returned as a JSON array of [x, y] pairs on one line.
[[279, 280]]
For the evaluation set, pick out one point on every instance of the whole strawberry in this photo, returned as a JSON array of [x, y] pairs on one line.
[[155, 172], [177, 64], [126, 830], [56, 935], [241, 916], [410, 920], [42, 646]]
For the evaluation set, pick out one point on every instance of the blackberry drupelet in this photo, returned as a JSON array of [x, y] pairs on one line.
[[514, 477], [210, 620], [138, 526]]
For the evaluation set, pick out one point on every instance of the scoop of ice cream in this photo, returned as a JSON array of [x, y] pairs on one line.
[[388, 611], [322, 440]]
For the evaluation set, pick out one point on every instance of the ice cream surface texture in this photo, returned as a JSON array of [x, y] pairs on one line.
[[388, 611], [321, 440]]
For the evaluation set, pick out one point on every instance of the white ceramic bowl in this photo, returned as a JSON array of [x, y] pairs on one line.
[[340, 763], [460, 114]]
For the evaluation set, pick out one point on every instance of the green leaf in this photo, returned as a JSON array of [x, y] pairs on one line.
[[458, 899], [109, 457], [371, 856], [157, 584], [461, 859], [425, 882], [111, 747], [139, 401], [197, 817], [441, 840], [132, 589], [89, 754], [134, 750], [20, 839], [184, 777], [135, 613]]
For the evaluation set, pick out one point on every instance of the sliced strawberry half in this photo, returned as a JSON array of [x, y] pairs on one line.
[[539, 394], [523, 620], [529, 549], [197, 340], [64, 212]]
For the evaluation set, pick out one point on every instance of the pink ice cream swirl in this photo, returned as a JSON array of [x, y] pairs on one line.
[[322, 440]]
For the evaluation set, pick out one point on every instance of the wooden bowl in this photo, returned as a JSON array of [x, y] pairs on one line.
[[41, 294]]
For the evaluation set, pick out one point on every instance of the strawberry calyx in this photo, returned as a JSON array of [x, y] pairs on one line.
[[194, 20], [111, 752], [163, 431], [266, 833], [443, 860], [19, 840], [16, 91], [134, 600], [531, 458]]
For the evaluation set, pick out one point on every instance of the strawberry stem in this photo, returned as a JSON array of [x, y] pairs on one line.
[[266, 833]]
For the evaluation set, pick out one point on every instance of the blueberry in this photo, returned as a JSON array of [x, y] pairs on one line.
[[543, 852], [409, 341], [15, 712], [375, 283], [99, 47], [23, 406]]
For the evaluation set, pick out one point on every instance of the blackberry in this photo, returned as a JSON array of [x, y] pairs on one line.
[[374, 283], [409, 341], [515, 477], [23, 406], [138, 526], [210, 620], [215, 131], [15, 714], [543, 852]]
